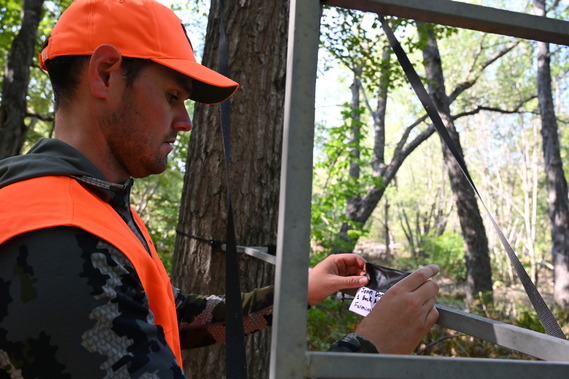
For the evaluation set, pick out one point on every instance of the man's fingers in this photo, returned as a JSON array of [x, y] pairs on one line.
[[427, 289], [352, 281], [430, 303], [416, 279], [350, 264], [432, 316]]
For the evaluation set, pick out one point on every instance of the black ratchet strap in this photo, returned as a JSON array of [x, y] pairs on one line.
[[235, 360]]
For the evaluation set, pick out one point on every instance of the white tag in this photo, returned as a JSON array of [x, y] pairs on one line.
[[365, 300]]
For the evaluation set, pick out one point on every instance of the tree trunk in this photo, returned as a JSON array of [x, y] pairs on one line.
[[478, 269], [352, 204], [359, 208], [556, 183], [256, 36], [15, 83]]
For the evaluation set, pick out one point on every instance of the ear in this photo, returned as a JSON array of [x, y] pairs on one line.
[[104, 70]]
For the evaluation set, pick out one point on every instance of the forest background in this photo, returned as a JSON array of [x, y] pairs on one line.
[[383, 185]]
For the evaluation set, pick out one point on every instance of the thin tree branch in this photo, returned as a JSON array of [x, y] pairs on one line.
[[42, 117], [481, 108], [463, 86]]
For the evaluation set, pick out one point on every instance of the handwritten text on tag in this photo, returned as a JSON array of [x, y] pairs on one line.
[[365, 300]]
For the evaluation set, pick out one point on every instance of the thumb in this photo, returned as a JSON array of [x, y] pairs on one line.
[[352, 281]]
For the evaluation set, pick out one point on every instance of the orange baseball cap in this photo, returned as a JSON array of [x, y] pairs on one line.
[[139, 29]]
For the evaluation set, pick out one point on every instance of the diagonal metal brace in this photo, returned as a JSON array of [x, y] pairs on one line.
[[526, 341], [259, 252]]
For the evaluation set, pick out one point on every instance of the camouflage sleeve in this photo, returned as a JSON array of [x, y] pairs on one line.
[[353, 343], [72, 306], [202, 318]]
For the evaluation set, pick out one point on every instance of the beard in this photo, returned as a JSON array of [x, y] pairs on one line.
[[132, 147]]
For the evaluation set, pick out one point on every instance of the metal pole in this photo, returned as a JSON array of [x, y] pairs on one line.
[[467, 16], [288, 343], [346, 365]]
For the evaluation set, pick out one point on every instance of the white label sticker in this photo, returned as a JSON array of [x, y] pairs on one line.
[[365, 300]]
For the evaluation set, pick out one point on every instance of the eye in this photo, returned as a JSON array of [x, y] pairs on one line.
[[172, 97]]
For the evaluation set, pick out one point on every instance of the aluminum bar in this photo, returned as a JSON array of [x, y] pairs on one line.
[[526, 341], [288, 342], [259, 252], [357, 366], [467, 16]]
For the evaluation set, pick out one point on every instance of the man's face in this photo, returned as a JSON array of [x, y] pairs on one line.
[[144, 120]]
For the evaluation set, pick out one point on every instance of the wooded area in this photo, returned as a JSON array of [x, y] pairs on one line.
[[384, 186]]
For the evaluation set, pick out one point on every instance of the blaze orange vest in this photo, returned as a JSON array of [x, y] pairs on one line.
[[61, 201]]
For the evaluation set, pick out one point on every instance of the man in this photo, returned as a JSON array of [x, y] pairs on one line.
[[83, 291]]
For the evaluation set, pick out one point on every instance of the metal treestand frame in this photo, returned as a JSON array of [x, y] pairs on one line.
[[289, 358]]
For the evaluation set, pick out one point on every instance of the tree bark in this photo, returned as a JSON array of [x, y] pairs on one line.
[[556, 183], [256, 37], [478, 269], [15, 83]]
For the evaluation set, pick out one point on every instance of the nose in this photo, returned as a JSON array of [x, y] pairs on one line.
[[182, 121]]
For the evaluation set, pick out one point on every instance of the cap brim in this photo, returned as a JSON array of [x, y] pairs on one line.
[[209, 87]]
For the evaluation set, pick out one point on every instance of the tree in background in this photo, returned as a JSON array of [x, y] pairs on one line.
[[358, 174], [257, 41], [423, 205], [556, 183], [13, 108], [478, 269], [26, 113]]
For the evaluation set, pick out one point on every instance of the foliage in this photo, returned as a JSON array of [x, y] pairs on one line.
[[355, 38], [352, 39], [420, 199], [448, 343], [337, 188], [528, 319], [10, 10], [328, 322], [447, 251], [40, 104]]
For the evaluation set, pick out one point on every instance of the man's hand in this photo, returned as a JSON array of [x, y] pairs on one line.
[[403, 316], [336, 272]]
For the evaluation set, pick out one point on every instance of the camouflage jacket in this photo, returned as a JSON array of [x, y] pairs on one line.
[[72, 305]]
